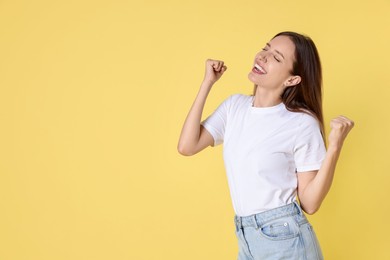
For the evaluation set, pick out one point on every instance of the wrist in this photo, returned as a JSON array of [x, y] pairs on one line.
[[336, 148], [207, 84]]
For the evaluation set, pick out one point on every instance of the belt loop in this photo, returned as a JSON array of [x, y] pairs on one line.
[[255, 217], [238, 222], [298, 207]]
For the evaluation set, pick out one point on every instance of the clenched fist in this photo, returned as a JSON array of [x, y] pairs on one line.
[[214, 70], [340, 127]]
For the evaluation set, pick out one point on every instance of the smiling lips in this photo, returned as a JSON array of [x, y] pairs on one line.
[[258, 69]]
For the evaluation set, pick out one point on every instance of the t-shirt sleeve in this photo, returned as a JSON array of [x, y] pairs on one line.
[[309, 149], [215, 123]]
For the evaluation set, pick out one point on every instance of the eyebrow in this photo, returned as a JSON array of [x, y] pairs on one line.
[[278, 52]]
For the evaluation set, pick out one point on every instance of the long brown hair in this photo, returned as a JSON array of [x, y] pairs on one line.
[[307, 95]]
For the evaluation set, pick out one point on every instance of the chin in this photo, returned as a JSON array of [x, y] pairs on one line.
[[251, 77]]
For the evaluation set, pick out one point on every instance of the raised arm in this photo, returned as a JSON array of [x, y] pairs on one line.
[[313, 186], [194, 137]]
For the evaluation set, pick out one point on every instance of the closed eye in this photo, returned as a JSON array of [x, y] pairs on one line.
[[275, 57]]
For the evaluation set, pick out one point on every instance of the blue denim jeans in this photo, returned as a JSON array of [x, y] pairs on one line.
[[280, 233]]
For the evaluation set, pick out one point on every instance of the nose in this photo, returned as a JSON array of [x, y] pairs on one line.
[[263, 57]]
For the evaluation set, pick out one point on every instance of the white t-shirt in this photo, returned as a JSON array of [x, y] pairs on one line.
[[264, 149]]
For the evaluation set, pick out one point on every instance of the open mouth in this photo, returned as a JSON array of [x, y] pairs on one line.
[[258, 69]]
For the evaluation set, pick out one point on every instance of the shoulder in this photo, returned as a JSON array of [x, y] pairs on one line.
[[300, 118], [236, 99], [307, 124], [302, 121], [234, 102], [308, 119]]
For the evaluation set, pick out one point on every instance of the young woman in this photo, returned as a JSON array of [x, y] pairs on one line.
[[274, 148]]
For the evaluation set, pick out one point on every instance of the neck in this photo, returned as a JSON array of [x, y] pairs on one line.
[[266, 98]]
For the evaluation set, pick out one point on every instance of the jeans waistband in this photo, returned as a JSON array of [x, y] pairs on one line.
[[259, 219]]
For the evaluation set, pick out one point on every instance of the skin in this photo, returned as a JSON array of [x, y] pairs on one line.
[[276, 59]]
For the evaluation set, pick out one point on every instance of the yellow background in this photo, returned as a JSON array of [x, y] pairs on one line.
[[93, 95]]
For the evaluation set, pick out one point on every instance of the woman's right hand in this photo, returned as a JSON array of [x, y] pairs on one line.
[[194, 137], [214, 70]]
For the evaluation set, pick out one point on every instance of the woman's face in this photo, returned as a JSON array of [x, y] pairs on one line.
[[273, 64]]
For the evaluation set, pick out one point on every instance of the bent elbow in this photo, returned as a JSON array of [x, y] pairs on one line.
[[310, 211], [184, 150]]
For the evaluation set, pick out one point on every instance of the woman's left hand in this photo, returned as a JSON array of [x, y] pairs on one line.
[[340, 127]]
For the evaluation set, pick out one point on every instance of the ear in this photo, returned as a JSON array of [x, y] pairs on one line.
[[292, 81]]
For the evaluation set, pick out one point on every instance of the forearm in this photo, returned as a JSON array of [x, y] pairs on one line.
[[317, 189], [190, 133]]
